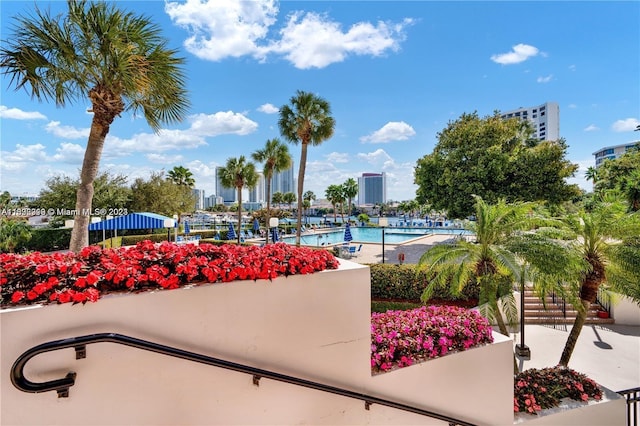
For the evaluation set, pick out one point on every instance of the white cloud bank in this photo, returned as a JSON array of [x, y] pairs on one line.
[[268, 109], [520, 53], [219, 29], [545, 79], [392, 131], [626, 125], [18, 114]]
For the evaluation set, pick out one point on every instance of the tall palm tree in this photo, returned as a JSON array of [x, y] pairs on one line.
[[238, 173], [289, 198], [117, 60], [307, 121], [333, 193], [276, 158], [181, 176], [601, 233], [308, 197], [277, 198], [591, 174], [350, 190]]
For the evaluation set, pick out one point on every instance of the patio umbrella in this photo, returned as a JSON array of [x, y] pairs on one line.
[[256, 225], [231, 234], [274, 234], [187, 228], [347, 233]]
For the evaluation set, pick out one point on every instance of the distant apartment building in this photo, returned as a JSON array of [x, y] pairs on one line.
[[228, 195], [209, 201], [257, 193], [613, 152], [199, 196], [284, 181], [545, 119], [372, 189]]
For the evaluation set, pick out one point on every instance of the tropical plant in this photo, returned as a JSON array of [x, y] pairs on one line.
[[238, 173], [307, 121], [601, 233], [5, 199], [591, 174], [289, 198], [308, 197], [276, 158], [277, 198], [13, 233], [117, 60], [350, 190], [160, 195], [333, 193], [181, 176]]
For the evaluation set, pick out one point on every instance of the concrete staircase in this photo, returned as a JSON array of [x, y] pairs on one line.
[[535, 312]]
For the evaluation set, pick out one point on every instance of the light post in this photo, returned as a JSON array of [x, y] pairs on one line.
[[383, 222], [522, 350]]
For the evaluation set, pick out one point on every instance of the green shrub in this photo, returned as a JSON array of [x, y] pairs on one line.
[[406, 282]]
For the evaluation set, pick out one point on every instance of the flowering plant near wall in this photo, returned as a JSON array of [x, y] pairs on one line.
[[401, 338], [539, 389], [39, 278]]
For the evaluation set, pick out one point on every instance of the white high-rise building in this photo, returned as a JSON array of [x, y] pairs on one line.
[[199, 196], [614, 151], [284, 181], [257, 194], [372, 189], [228, 195], [545, 119]]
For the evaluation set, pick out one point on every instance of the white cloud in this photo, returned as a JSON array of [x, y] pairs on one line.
[[520, 53], [268, 109], [163, 158], [25, 154], [392, 131], [66, 132], [17, 114], [591, 128], [545, 79], [165, 140], [376, 157], [221, 123], [219, 29], [626, 125], [69, 153], [338, 157]]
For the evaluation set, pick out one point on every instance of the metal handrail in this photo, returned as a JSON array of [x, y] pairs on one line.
[[79, 344], [632, 397]]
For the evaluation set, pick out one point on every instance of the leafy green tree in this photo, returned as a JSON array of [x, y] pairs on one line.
[[622, 174], [495, 159], [110, 192], [160, 195], [276, 158], [5, 199], [277, 198], [333, 194], [592, 174], [238, 173], [307, 121], [308, 197], [350, 190], [181, 176], [117, 60], [13, 233], [289, 198]]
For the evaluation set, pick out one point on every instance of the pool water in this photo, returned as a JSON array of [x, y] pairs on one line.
[[369, 235]]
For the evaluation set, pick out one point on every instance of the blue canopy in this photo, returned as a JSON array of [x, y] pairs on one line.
[[231, 234], [347, 233], [274, 234], [256, 225], [187, 228], [134, 221]]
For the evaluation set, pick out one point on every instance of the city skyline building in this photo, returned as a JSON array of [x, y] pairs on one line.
[[284, 181], [372, 189], [228, 195], [614, 151], [199, 196], [544, 118]]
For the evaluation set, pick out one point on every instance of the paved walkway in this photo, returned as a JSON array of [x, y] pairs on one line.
[[412, 250]]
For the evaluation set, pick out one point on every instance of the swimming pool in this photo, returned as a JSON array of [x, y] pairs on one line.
[[369, 235]]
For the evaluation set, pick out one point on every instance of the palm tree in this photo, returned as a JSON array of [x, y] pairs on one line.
[[277, 198], [13, 233], [591, 174], [117, 60], [238, 173], [276, 158], [181, 176], [601, 233], [307, 121], [308, 197], [350, 190], [333, 193], [289, 198]]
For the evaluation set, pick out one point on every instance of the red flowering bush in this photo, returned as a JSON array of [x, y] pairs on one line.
[[401, 338], [86, 276], [535, 389]]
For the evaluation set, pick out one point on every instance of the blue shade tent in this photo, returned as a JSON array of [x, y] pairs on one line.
[[347, 233], [187, 228], [256, 225], [134, 221], [231, 234], [274, 234]]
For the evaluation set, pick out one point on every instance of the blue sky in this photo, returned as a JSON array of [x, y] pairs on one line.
[[395, 73]]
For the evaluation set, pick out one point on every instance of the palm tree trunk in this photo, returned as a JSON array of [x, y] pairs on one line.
[[570, 345], [503, 330], [239, 212], [301, 172], [84, 197], [268, 216]]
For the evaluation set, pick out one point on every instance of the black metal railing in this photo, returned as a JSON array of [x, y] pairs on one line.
[[61, 386], [603, 301], [632, 396]]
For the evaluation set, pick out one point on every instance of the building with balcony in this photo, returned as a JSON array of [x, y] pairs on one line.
[[544, 118], [613, 152]]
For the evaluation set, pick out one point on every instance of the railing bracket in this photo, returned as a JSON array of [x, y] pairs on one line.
[[367, 404], [256, 380], [81, 351], [64, 392]]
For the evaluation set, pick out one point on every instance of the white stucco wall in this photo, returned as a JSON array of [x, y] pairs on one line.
[[624, 311], [315, 326]]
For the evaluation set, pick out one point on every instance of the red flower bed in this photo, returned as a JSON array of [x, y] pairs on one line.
[[400, 338], [39, 278]]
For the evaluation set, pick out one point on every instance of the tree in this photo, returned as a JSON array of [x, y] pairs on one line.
[[13, 233], [276, 158], [277, 198], [115, 59], [307, 121], [238, 173], [333, 193], [601, 233], [308, 197], [289, 198], [592, 174], [181, 176], [160, 195], [622, 174], [495, 159], [5, 199], [350, 190]]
